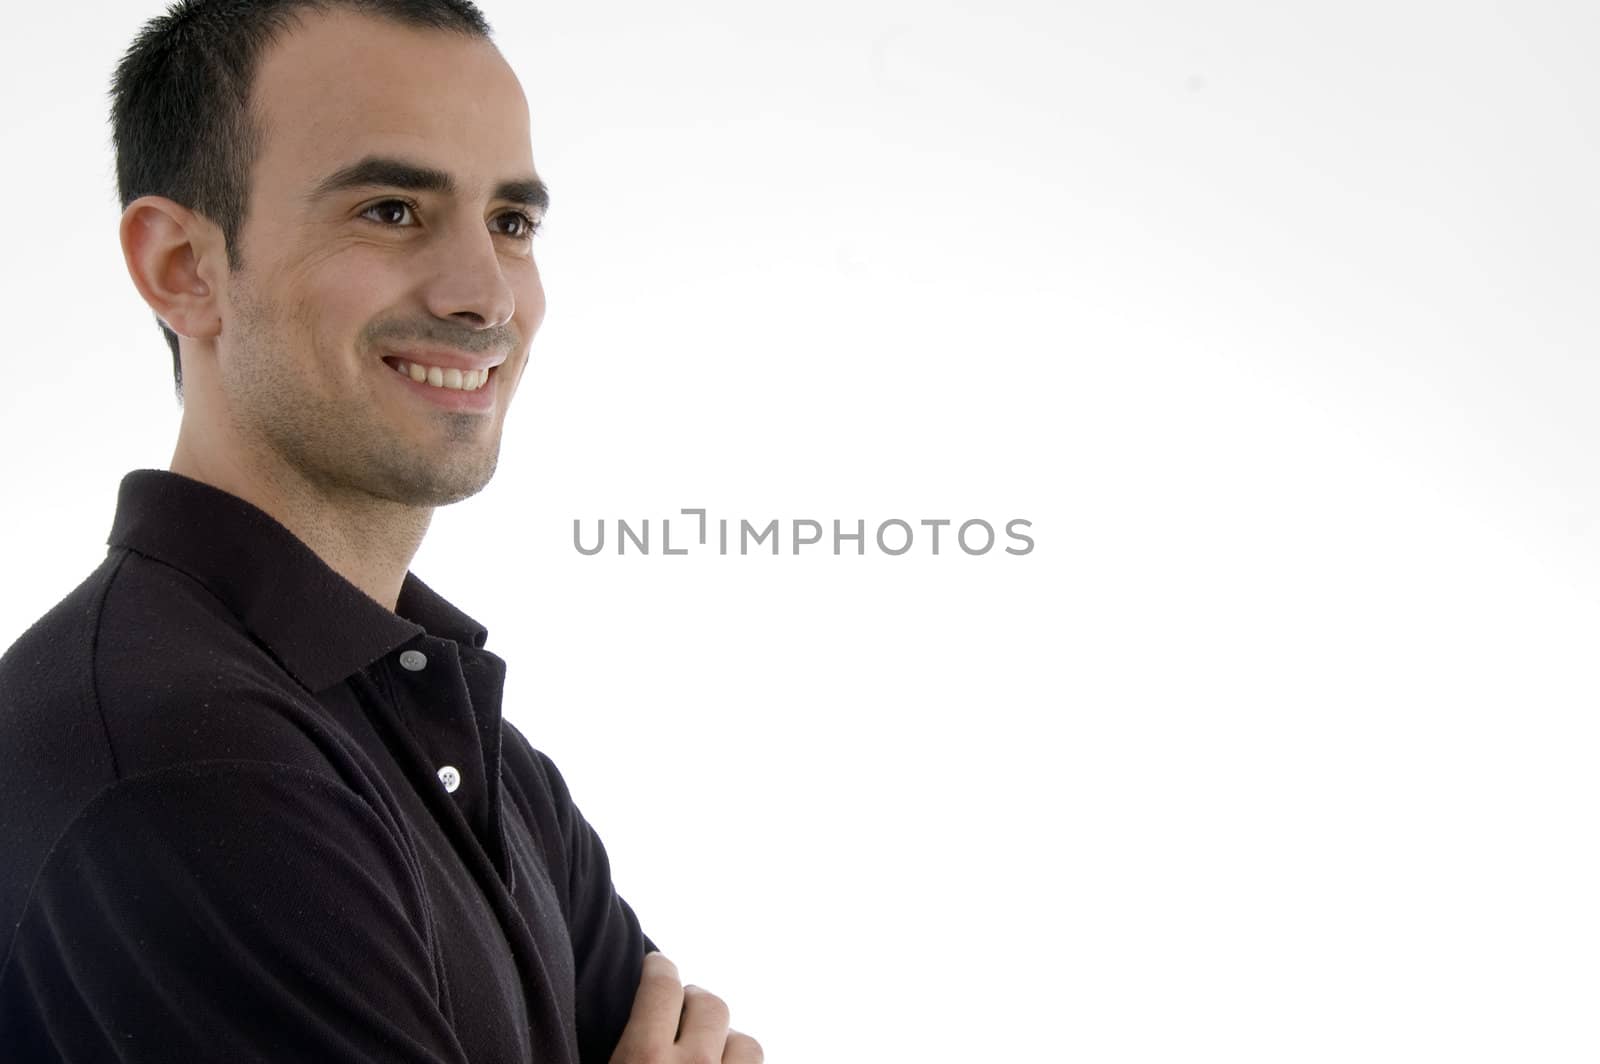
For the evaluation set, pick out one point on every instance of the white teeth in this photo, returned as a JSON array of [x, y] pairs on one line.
[[456, 379]]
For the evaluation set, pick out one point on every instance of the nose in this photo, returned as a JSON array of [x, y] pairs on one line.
[[469, 282]]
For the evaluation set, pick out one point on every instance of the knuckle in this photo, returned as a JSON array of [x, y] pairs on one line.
[[658, 965], [742, 1049], [707, 1001]]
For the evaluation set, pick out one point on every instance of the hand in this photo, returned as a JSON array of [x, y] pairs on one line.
[[676, 1024]]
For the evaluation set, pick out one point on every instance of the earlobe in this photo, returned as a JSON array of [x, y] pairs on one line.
[[160, 246]]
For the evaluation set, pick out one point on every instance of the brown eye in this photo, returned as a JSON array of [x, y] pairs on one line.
[[530, 225], [390, 204]]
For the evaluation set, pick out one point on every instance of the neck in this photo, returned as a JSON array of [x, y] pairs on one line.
[[368, 541]]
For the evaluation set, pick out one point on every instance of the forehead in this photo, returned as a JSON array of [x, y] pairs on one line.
[[342, 85]]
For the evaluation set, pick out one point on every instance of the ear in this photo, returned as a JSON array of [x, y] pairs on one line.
[[174, 256]]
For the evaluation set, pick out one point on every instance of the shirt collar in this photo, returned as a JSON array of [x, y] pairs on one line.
[[320, 626]]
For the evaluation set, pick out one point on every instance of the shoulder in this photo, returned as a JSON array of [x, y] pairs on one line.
[[54, 756], [46, 676], [142, 667], [179, 678], [531, 769], [532, 785], [138, 670]]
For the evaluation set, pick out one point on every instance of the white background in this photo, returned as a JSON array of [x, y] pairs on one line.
[[1276, 320]]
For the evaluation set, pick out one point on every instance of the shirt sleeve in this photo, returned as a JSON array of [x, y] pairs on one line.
[[608, 944], [225, 910]]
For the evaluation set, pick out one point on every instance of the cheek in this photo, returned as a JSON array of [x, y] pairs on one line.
[[349, 290], [530, 302], [338, 302]]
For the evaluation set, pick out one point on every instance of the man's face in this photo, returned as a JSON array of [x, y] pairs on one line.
[[335, 284]]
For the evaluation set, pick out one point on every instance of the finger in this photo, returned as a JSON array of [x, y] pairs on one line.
[[742, 1049], [705, 1023], [656, 1007]]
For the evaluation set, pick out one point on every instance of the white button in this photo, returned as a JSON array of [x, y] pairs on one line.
[[413, 660], [450, 778]]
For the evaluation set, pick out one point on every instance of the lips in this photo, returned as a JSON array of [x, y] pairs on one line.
[[446, 388], [443, 358]]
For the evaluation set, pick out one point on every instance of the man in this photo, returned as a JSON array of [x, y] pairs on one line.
[[258, 799]]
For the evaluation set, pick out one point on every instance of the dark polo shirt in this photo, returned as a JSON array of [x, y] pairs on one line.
[[249, 814]]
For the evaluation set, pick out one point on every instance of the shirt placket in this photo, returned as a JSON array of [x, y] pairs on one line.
[[437, 709]]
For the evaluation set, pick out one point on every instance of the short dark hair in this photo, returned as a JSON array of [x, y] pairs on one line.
[[180, 121]]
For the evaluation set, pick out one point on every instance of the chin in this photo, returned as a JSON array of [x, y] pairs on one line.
[[418, 486]]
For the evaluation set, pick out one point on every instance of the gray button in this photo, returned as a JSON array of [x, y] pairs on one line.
[[413, 660], [450, 778]]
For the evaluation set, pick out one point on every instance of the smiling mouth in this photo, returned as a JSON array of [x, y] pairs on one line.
[[453, 379]]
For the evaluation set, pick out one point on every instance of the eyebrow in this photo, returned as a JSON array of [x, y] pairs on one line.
[[389, 171]]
